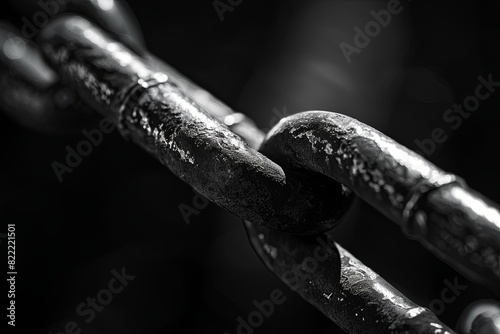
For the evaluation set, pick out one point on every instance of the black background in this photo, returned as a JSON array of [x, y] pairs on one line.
[[119, 208]]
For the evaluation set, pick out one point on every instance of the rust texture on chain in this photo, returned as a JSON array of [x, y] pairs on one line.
[[356, 298], [156, 114], [142, 96], [349, 293], [452, 221], [302, 189]]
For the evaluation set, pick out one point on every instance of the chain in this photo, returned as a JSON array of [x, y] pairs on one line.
[[302, 181], [457, 224]]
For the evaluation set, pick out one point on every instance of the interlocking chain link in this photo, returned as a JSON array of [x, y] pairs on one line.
[[457, 224], [151, 110], [291, 187], [357, 299]]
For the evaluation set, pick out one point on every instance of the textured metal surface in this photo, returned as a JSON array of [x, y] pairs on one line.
[[236, 122], [345, 290], [155, 113], [463, 228], [30, 91], [330, 278], [181, 125], [327, 276], [436, 208]]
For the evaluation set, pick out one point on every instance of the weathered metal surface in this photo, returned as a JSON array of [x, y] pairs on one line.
[[352, 295], [436, 208], [166, 114], [236, 122], [155, 113], [463, 228]]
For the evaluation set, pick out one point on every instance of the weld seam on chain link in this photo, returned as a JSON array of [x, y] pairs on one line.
[[416, 194], [130, 99]]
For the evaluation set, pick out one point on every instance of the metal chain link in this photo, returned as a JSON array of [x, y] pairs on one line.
[[457, 224], [291, 187]]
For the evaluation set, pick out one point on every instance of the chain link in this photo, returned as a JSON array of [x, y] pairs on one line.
[[457, 224], [194, 145], [291, 186]]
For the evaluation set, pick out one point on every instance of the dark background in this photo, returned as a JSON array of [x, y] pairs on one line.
[[119, 208]]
